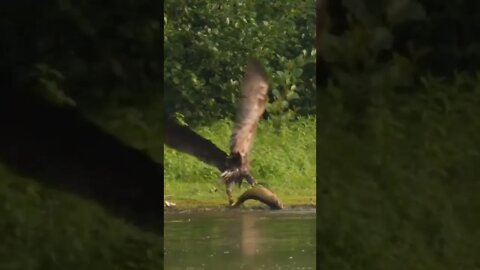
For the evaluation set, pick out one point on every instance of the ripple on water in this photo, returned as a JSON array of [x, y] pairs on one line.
[[240, 239]]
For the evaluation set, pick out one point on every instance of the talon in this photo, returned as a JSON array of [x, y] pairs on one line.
[[169, 204], [229, 187], [251, 181], [225, 174]]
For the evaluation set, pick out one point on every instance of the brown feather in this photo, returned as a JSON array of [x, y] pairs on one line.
[[182, 138], [251, 107]]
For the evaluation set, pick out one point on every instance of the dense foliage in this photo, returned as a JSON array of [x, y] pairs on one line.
[[93, 50], [383, 51], [207, 44], [398, 134], [103, 58]]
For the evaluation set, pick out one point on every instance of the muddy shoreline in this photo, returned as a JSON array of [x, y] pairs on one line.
[[220, 208]]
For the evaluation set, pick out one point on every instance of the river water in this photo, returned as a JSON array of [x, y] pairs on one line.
[[240, 239]]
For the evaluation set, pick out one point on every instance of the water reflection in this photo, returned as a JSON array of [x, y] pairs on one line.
[[250, 236], [240, 240]]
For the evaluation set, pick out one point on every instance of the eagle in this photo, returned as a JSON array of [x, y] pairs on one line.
[[233, 167]]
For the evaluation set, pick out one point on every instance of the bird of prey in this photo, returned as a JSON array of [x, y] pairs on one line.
[[234, 167]]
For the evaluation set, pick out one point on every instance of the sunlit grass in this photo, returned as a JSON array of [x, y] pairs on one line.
[[283, 159]]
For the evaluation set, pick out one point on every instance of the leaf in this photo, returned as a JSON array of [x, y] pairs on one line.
[[276, 93], [297, 72], [405, 10], [382, 39], [291, 95]]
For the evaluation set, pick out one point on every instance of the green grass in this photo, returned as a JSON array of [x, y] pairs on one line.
[[283, 159], [47, 229]]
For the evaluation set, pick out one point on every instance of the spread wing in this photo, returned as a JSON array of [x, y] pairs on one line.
[[182, 138], [251, 107]]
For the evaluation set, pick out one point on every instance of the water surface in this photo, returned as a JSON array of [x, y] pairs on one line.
[[244, 239]]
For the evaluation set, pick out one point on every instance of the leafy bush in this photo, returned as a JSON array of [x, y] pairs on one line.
[[395, 42], [207, 44], [105, 59], [398, 137], [106, 54], [402, 194]]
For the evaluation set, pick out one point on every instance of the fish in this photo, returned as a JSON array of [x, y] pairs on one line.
[[261, 194]]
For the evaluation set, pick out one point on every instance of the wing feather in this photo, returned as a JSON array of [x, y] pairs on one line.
[[251, 107], [182, 138]]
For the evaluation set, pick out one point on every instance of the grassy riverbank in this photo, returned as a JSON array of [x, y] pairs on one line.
[[283, 159]]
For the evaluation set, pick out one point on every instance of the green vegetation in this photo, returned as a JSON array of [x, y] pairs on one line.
[[283, 159], [106, 61], [403, 194], [207, 44], [204, 64], [399, 136], [46, 229]]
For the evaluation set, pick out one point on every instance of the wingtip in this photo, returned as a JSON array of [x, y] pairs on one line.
[[255, 66], [254, 61]]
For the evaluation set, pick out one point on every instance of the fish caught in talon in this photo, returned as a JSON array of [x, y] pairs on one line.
[[261, 194], [234, 168]]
